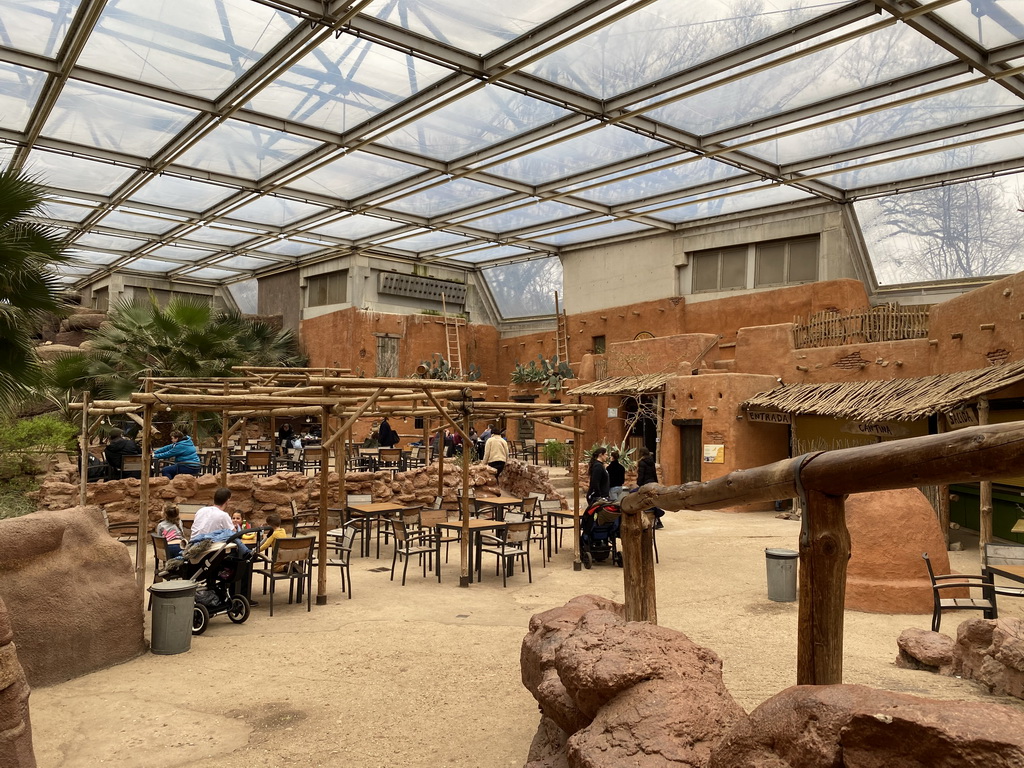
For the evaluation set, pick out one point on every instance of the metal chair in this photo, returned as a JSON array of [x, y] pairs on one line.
[[514, 544], [986, 604], [409, 544], [291, 560]]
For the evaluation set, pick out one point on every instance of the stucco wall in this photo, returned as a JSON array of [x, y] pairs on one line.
[[279, 295]]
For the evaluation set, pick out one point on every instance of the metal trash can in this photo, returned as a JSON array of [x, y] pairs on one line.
[[781, 565], [173, 602]]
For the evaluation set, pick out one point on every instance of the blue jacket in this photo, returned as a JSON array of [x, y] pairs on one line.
[[182, 452]]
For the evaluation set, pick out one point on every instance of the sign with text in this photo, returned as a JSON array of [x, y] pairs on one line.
[[714, 454], [961, 417], [876, 428], [770, 417]]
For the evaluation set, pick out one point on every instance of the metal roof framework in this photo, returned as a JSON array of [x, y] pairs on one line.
[[211, 141]]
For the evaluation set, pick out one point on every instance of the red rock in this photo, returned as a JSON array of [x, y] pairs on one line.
[[15, 725], [922, 649], [991, 651]]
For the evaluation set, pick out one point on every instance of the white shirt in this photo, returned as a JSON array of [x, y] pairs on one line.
[[210, 519]]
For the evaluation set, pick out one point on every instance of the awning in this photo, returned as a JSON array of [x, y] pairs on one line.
[[893, 400], [642, 384]]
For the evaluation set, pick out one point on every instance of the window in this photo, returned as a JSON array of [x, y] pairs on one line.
[[719, 270], [598, 345], [101, 299], [387, 356], [786, 262], [331, 288]]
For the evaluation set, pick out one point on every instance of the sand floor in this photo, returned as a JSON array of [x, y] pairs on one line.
[[428, 674]]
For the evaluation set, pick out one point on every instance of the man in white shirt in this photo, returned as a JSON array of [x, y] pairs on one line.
[[210, 519]]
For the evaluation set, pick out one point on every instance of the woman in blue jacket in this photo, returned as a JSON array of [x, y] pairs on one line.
[[182, 455]]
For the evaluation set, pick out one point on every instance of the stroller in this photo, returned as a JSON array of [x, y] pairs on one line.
[[212, 565], [599, 528]]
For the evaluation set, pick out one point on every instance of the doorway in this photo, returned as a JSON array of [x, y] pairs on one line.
[[691, 448]]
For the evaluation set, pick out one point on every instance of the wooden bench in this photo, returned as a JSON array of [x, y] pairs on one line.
[[1005, 554]]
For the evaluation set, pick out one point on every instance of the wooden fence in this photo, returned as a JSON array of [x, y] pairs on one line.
[[887, 322]]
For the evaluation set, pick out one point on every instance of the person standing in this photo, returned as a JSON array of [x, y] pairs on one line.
[[386, 436], [647, 472], [496, 452], [119, 446], [599, 487], [284, 438], [182, 453], [616, 477]]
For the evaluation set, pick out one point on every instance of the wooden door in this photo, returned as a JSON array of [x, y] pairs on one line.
[[691, 453]]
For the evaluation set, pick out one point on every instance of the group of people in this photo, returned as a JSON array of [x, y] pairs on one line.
[[180, 455], [608, 476]]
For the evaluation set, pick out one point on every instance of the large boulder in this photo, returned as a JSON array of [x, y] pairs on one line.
[[922, 649], [627, 693], [15, 727], [991, 651], [71, 593], [888, 532], [854, 726]]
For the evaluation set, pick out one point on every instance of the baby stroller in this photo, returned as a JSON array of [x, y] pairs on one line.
[[212, 565], [599, 528]]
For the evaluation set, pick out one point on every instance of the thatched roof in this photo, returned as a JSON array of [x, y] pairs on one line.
[[624, 385], [894, 400]]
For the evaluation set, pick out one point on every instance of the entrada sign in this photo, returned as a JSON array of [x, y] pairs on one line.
[[770, 417]]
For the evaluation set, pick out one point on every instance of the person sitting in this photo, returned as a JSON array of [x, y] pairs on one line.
[[274, 521], [171, 531], [181, 453], [213, 522], [119, 446]]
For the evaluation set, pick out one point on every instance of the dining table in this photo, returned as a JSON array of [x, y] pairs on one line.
[[477, 526], [499, 504], [379, 510], [1011, 572]]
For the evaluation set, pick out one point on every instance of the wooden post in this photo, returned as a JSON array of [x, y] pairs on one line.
[[641, 598], [577, 563], [147, 461], [984, 494], [464, 578], [942, 493], [824, 554], [440, 460], [83, 449], [325, 471]]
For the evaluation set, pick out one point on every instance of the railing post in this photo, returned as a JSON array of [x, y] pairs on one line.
[[640, 595], [824, 554]]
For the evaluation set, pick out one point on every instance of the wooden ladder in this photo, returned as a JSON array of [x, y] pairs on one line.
[[451, 335], [561, 334]]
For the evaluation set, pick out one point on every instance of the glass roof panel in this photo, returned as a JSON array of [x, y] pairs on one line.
[[527, 216], [275, 211], [477, 26], [179, 253], [151, 265], [76, 173], [477, 120], [64, 211], [945, 233], [667, 37], [345, 81], [109, 242], [988, 23], [289, 248], [245, 150], [659, 181], [719, 206], [190, 46], [132, 222], [428, 241], [595, 232], [356, 227], [929, 114], [246, 295], [489, 254], [209, 273], [610, 144], [95, 116], [220, 235], [868, 60], [526, 288], [355, 175], [244, 263], [445, 198], [36, 26], [940, 161], [95, 258], [175, 192], [19, 90]]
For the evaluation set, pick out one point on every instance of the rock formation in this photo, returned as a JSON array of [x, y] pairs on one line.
[[991, 651], [923, 649], [71, 593], [15, 728]]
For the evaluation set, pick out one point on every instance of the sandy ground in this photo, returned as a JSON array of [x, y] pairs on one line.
[[428, 674]]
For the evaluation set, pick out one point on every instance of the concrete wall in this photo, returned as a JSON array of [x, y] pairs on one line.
[[279, 295]]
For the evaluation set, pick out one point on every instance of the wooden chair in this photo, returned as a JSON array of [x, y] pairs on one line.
[[259, 462], [159, 561], [410, 544], [986, 604], [558, 520], [291, 559], [389, 458], [429, 519], [131, 466], [1005, 554], [339, 554], [415, 457], [126, 533], [361, 521], [514, 544]]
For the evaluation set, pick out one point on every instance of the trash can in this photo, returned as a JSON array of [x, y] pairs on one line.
[[173, 602], [781, 564]]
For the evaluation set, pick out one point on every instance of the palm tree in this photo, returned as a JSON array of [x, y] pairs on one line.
[[29, 290], [187, 338]]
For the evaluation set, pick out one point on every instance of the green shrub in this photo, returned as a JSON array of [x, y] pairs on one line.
[[27, 444]]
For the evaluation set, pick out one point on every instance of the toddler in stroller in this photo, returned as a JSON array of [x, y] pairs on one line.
[[599, 528], [212, 562]]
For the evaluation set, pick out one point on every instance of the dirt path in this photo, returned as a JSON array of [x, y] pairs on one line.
[[427, 675]]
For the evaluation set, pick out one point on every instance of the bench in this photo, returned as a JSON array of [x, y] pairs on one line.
[[1005, 554]]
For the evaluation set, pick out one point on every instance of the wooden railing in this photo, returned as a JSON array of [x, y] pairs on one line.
[[888, 322], [821, 480]]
